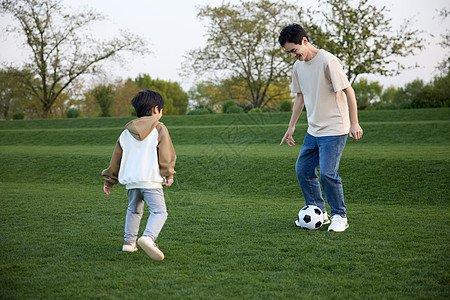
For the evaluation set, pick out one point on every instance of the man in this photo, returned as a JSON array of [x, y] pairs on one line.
[[320, 84]]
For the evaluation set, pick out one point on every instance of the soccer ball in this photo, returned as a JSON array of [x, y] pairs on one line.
[[310, 217]]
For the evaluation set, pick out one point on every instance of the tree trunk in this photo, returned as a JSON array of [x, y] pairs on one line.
[[46, 111]]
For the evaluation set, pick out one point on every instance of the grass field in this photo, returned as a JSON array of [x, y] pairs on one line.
[[230, 232]]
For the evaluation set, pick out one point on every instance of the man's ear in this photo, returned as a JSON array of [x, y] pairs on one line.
[[304, 41], [155, 110]]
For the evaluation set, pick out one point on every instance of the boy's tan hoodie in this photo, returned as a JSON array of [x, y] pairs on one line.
[[140, 129]]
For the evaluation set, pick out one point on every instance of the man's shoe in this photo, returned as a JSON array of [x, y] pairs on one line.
[[326, 220], [338, 223], [129, 247], [151, 248]]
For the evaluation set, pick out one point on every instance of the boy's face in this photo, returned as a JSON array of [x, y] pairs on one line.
[[297, 51], [157, 113]]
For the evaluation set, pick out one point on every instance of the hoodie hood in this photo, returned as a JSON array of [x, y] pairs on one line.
[[141, 128]]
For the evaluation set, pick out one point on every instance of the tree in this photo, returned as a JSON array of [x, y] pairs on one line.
[[60, 53], [12, 92], [125, 92], [361, 36], [213, 94], [243, 43], [175, 99], [367, 92], [444, 66], [104, 95]]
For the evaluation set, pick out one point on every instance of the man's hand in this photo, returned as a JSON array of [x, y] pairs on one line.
[[288, 137], [356, 132], [107, 189], [169, 182]]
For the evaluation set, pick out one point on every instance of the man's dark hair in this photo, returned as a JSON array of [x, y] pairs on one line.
[[292, 33], [144, 102]]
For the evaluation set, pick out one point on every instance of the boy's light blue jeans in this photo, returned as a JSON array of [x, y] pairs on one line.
[[325, 153], [156, 206]]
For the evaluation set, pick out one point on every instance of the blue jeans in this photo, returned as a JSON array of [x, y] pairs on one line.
[[156, 206], [325, 153]]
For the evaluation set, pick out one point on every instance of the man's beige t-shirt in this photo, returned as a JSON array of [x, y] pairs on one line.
[[321, 81]]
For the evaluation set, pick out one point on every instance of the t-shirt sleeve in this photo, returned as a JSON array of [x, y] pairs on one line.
[[295, 88], [337, 75], [166, 152]]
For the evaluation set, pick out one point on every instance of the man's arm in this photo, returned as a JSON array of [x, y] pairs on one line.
[[356, 131], [299, 102]]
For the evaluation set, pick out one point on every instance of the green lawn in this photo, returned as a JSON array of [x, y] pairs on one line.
[[230, 231]]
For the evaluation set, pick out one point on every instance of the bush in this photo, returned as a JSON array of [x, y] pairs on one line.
[[227, 104], [18, 115], [199, 111], [245, 106], [234, 109], [286, 105], [72, 113], [255, 111]]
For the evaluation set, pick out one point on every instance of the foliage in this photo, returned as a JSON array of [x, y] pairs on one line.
[[444, 66], [72, 113], [242, 44], [361, 36], [227, 104], [286, 105], [175, 99], [434, 94], [203, 93], [199, 111], [255, 111], [18, 115], [234, 109], [214, 93], [104, 95], [13, 94], [60, 51], [367, 92], [124, 93], [417, 94]]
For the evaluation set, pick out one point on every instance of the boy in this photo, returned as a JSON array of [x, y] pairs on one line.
[[320, 84], [144, 159]]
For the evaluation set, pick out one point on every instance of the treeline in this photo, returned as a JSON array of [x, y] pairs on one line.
[[114, 100], [215, 97], [415, 94], [226, 96], [102, 100]]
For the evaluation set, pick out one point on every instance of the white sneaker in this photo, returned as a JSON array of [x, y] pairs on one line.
[[326, 220], [338, 223], [129, 247], [151, 248]]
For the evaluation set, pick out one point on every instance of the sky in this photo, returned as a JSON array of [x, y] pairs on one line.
[[171, 28]]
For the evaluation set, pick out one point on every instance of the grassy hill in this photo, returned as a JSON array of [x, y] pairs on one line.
[[230, 231]]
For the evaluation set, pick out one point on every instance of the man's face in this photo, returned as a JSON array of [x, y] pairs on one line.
[[297, 51]]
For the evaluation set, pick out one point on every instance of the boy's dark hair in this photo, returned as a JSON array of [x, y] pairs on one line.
[[144, 101], [292, 33]]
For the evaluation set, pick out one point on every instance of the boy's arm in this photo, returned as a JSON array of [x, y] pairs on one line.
[[356, 131], [299, 102], [111, 174], [166, 154]]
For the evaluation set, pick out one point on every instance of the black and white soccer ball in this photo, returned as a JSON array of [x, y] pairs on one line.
[[310, 217]]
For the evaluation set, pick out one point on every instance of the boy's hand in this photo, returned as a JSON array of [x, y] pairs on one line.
[[356, 132], [107, 189], [288, 137], [169, 182]]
